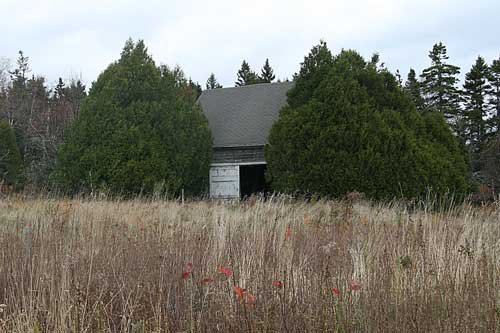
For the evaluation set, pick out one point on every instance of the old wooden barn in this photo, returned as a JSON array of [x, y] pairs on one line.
[[240, 119]]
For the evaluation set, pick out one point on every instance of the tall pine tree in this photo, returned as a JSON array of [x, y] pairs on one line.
[[267, 73], [439, 85], [494, 100], [246, 76], [475, 113], [412, 87], [212, 82]]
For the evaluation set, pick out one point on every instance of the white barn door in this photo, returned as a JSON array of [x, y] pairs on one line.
[[225, 181]]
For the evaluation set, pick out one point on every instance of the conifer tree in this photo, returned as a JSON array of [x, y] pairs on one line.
[[475, 113], [10, 157], [212, 82], [439, 85], [412, 87], [267, 73], [246, 76], [139, 130], [494, 100], [196, 87], [349, 126], [59, 90]]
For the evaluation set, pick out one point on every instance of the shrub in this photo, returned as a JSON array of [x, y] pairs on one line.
[[138, 128], [350, 127]]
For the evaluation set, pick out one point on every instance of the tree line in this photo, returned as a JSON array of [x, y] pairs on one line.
[[36, 117], [472, 111], [350, 124]]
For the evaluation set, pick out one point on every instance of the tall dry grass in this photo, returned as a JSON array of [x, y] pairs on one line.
[[90, 265]]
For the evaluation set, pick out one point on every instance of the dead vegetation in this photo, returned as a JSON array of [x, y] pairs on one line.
[[136, 266]]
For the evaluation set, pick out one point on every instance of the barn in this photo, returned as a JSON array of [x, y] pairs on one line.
[[240, 119]]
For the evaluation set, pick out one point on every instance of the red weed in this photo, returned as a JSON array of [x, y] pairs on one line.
[[226, 271], [185, 275], [250, 300], [190, 265], [240, 292], [288, 233], [278, 284], [335, 291], [207, 280]]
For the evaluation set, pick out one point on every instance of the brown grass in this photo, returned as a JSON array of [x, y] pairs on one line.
[[97, 265]]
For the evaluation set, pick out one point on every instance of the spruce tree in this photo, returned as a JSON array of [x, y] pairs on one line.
[[267, 73], [439, 85], [494, 100], [475, 112], [212, 82], [246, 76], [412, 87], [59, 90]]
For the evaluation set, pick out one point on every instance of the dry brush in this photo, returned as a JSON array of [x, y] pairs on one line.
[[104, 265]]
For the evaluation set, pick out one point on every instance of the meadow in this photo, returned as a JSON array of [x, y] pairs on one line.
[[91, 265]]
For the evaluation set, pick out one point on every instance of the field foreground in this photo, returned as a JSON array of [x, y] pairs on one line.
[[136, 266]]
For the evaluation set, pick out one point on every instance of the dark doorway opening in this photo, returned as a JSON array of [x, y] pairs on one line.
[[252, 179]]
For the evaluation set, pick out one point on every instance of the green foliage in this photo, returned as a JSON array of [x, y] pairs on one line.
[[212, 82], [10, 157], [494, 100], [267, 73], [475, 113], [350, 127], [413, 88], [439, 85], [139, 127], [490, 163], [246, 76]]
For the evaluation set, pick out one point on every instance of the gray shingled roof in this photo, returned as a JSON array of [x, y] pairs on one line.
[[243, 116]]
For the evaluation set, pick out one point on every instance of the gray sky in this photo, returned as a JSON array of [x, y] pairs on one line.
[[80, 38]]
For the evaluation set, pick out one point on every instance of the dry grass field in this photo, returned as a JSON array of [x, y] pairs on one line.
[[255, 266]]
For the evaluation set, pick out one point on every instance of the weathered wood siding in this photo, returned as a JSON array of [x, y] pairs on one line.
[[249, 154], [225, 181]]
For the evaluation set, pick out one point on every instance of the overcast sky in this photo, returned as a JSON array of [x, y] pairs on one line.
[[80, 38]]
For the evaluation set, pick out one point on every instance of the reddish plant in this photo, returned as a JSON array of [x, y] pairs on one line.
[[240, 292], [226, 271]]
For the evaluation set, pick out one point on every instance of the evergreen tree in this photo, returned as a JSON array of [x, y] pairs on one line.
[[246, 76], [59, 90], [349, 126], [139, 127], [10, 157], [312, 73], [195, 87], [475, 113], [412, 87], [494, 100], [267, 73], [439, 85], [212, 82], [490, 163]]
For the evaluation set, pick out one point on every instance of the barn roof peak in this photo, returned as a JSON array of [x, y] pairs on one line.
[[243, 116]]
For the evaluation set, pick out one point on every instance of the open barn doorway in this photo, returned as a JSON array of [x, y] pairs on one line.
[[252, 179]]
